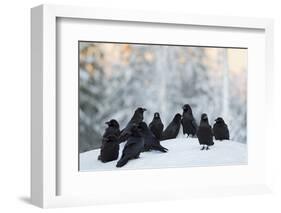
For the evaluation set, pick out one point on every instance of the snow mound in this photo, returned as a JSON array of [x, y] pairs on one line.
[[183, 152]]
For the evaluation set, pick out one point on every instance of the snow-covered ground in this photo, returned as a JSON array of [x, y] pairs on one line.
[[182, 153]]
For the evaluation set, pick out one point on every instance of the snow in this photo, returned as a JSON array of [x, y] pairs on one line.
[[182, 152]]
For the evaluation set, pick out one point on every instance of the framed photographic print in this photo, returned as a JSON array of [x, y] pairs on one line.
[[148, 105], [113, 75]]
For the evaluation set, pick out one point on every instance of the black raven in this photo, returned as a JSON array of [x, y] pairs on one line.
[[136, 119], [189, 125], [133, 147], [156, 126], [220, 129], [150, 141], [204, 133], [173, 128]]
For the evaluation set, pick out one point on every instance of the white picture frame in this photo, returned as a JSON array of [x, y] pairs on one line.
[[45, 152]]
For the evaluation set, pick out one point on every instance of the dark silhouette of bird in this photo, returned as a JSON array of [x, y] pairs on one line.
[[220, 129], [173, 128], [156, 126], [112, 129], [189, 125], [133, 147], [110, 142], [150, 141], [136, 119], [204, 132], [110, 149]]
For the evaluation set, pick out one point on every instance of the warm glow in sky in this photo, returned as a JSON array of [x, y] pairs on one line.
[[120, 54], [237, 60]]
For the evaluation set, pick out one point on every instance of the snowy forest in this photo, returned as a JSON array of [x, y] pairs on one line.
[[116, 78]]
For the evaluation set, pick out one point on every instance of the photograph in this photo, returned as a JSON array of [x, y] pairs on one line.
[[155, 106]]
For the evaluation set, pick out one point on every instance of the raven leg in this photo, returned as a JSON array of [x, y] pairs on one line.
[[203, 147]]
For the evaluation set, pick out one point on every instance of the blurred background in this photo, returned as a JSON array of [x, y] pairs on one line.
[[117, 78]]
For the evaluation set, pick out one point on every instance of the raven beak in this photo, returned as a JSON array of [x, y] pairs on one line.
[[144, 109], [107, 122]]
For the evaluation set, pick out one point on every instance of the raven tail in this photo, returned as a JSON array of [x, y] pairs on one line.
[[160, 148], [122, 162]]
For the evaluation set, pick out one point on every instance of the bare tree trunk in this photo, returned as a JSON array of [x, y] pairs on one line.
[[225, 89], [161, 62]]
